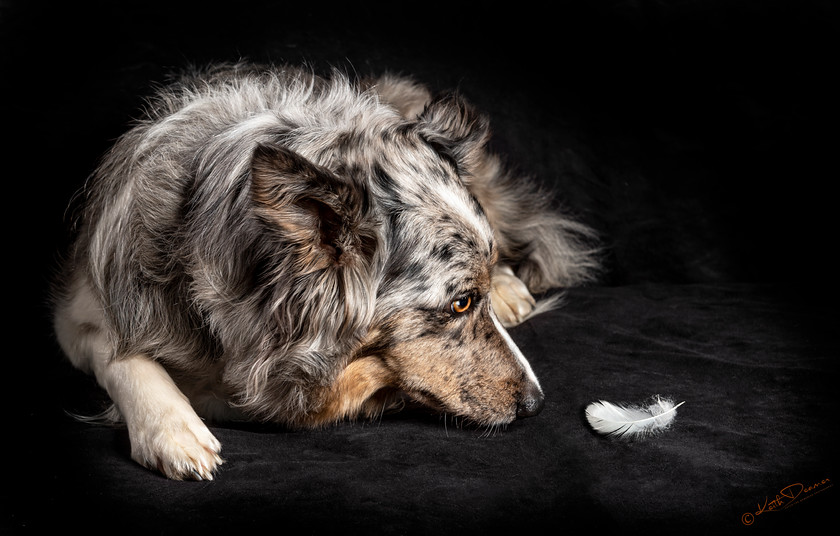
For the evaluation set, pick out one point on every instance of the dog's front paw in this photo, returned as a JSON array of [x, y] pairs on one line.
[[179, 446], [512, 302]]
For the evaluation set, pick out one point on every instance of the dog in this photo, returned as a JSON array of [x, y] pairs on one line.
[[279, 246]]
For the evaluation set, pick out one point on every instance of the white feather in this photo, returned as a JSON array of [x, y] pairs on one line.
[[631, 421]]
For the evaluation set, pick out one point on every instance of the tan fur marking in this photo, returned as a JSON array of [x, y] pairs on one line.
[[350, 393]]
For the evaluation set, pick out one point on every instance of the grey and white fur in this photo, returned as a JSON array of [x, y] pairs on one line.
[[272, 245]]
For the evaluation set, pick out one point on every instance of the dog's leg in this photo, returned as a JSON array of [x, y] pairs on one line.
[[511, 300], [165, 432]]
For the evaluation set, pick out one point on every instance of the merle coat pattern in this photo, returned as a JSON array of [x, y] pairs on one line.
[[272, 245]]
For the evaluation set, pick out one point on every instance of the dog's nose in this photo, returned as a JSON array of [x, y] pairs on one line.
[[531, 402]]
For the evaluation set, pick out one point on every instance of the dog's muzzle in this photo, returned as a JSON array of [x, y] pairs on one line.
[[531, 400]]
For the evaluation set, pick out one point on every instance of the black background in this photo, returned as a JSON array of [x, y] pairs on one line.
[[698, 137]]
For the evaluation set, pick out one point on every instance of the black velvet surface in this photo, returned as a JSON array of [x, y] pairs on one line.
[[698, 138]]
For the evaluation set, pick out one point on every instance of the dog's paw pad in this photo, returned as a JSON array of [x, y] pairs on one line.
[[181, 449], [512, 302]]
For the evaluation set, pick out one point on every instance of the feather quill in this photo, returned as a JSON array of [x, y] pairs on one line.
[[627, 422]]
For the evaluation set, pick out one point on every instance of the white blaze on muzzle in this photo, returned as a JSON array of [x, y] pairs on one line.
[[529, 373]]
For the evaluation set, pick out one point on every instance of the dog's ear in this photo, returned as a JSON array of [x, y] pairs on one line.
[[454, 127], [311, 208]]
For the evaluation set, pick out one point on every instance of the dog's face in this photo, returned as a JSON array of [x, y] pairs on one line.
[[440, 337], [435, 324], [398, 206]]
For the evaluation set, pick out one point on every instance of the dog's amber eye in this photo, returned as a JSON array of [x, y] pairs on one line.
[[460, 305]]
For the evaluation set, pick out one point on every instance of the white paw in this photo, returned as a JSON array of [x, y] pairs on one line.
[[176, 443], [511, 300]]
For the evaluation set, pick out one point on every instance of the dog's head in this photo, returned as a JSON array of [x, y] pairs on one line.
[[395, 259]]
